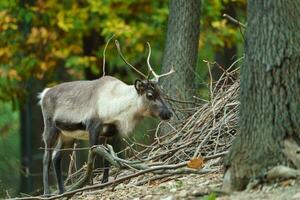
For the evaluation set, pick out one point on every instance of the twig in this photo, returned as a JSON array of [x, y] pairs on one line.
[[234, 20], [67, 149], [72, 163], [240, 25]]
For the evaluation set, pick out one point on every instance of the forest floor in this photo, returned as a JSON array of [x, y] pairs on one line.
[[205, 135], [193, 186]]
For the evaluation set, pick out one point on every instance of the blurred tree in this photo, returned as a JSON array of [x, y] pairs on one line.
[[270, 94], [30, 120], [181, 49]]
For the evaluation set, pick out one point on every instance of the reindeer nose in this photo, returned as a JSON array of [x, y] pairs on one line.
[[166, 115]]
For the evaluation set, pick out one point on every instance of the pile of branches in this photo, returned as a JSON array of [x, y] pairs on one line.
[[197, 144], [206, 133]]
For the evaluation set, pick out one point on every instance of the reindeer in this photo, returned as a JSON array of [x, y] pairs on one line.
[[95, 110]]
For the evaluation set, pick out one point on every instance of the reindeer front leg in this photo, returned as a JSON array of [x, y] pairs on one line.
[[105, 163], [94, 128], [110, 131]]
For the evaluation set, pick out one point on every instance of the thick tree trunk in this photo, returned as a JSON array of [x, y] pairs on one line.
[[181, 48], [270, 92]]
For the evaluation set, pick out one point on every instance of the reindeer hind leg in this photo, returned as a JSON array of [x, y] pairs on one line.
[[49, 138]]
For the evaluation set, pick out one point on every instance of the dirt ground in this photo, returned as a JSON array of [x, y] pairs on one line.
[[193, 186]]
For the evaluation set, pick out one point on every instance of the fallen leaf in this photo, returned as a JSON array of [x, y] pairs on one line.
[[196, 163]]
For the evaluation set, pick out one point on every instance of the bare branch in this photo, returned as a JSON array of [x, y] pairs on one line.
[[234, 20]]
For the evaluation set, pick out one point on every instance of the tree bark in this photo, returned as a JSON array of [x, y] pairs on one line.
[[270, 92], [181, 48]]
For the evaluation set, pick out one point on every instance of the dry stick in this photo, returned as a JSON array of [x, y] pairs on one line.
[[221, 125], [156, 133], [144, 181], [185, 125], [115, 178], [129, 147], [210, 78], [180, 101], [88, 173], [103, 64], [133, 151], [72, 163], [205, 139], [234, 20], [67, 149], [75, 174], [211, 93], [172, 150], [240, 25]]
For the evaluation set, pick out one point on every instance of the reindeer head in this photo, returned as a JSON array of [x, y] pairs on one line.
[[149, 89]]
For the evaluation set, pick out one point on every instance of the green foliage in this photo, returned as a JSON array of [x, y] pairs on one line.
[[216, 32], [211, 196], [36, 38], [9, 150], [178, 184]]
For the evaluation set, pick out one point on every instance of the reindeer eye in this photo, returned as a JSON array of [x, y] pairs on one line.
[[150, 95]]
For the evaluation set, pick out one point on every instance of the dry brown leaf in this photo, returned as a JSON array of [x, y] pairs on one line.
[[196, 163], [287, 183]]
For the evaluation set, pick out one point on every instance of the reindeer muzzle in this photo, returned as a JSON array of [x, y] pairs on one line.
[[166, 115]]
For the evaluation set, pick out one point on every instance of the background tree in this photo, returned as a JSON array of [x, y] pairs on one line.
[[181, 49], [270, 93]]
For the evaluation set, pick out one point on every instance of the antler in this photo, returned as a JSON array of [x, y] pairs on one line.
[[151, 71], [123, 58], [156, 77]]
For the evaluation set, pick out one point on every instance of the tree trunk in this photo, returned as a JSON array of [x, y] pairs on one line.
[[181, 48], [30, 125], [270, 93]]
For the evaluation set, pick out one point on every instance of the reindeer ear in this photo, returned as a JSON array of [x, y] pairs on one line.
[[139, 86]]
